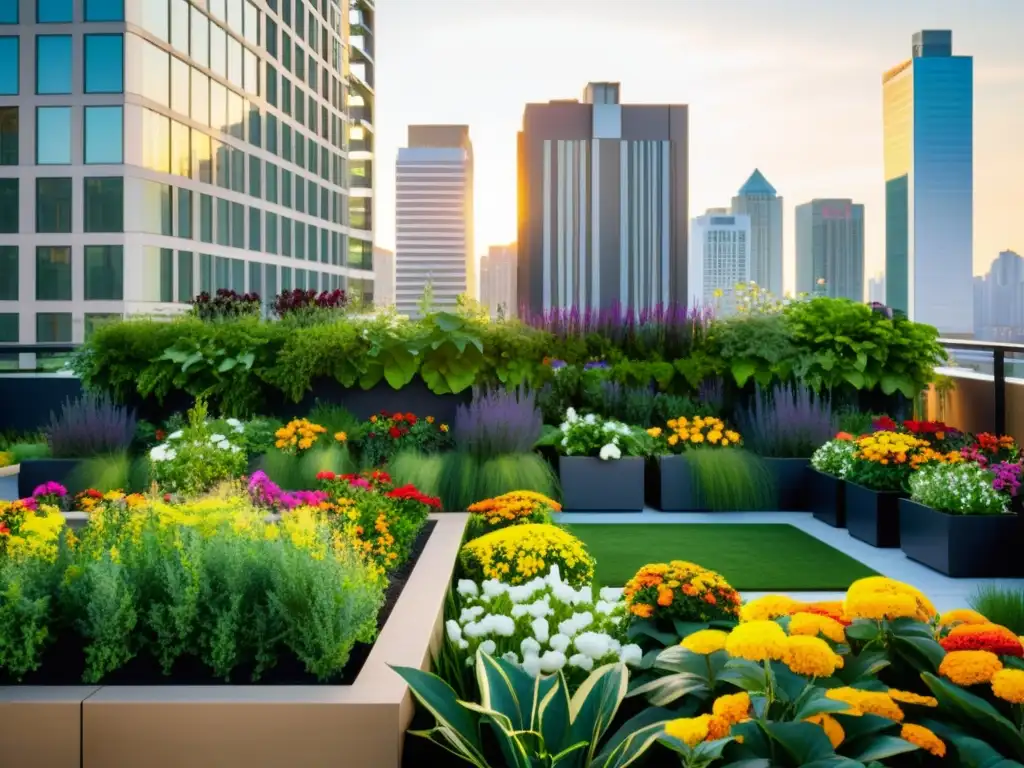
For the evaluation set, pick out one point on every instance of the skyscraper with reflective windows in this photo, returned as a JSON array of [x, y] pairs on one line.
[[154, 149], [929, 192]]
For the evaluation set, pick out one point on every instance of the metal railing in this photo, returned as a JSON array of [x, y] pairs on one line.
[[999, 351]]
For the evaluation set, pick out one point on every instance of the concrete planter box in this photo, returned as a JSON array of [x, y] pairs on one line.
[[826, 497], [789, 476], [873, 516], [360, 725], [961, 546], [671, 485], [594, 485], [35, 472]]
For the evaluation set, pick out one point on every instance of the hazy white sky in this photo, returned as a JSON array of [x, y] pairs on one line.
[[792, 87]]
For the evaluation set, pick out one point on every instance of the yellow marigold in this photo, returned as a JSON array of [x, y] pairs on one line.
[[757, 641], [718, 728], [1008, 685], [831, 726], [961, 616], [689, 730], [733, 708], [810, 656], [705, 641], [815, 624], [924, 738], [907, 697], [654, 431], [341, 437], [970, 667], [518, 553], [866, 703], [769, 607], [878, 597]]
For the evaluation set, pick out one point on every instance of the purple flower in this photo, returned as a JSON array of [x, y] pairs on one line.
[[263, 491], [556, 364], [303, 499], [1006, 476], [595, 364], [50, 489]]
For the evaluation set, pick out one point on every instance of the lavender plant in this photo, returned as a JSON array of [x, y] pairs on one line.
[[498, 422], [790, 421], [88, 426]]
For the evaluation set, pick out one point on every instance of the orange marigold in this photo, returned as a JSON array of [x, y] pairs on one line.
[[983, 637], [924, 738]]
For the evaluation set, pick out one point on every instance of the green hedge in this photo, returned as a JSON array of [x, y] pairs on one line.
[[242, 364]]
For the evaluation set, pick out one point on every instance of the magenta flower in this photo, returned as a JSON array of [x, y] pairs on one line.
[[50, 489]]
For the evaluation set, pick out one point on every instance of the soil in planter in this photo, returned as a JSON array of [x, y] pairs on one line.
[[64, 661]]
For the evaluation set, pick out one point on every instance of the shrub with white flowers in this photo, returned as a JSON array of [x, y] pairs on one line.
[[542, 626], [592, 435], [835, 457], [193, 460], [958, 489]]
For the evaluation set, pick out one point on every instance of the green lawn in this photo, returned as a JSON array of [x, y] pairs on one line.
[[756, 557]]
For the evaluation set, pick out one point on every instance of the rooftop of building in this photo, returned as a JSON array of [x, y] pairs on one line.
[[757, 184]]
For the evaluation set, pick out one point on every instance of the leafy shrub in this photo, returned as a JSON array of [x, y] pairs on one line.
[[513, 508], [335, 418], [855, 422], [28, 451], [308, 307], [299, 472], [592, 436], [640, 405], [113, 472], [225, 305], [959, 489], [387, 434], [195, 459], [731, 480], [27, 589], [835, 457], [88, 426], [1001, 605], [517, 554], [498, 422], [789, 421]]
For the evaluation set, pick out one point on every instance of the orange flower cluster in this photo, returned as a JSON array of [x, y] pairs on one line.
[[513, 508], [930, 456], [298, 435], [680, 591], [698, 431], [983, 637]]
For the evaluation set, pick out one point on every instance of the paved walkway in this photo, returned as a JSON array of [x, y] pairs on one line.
[[945, 592]]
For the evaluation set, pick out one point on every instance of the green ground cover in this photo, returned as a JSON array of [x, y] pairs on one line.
[[755, 557]]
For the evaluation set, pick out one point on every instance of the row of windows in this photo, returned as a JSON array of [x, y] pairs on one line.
[[104, 205], [102, 136], [103, 59], [102, 273], [61, 11], [50, 326]]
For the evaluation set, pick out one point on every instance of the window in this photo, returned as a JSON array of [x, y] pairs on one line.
[[104, 10], [238, 275], [235, 15], [155, 18], [8, 11], [218, 9], [286, 236], [223, 222], [202, 157], [205, 272], [94, 321], [286, 188], [271, 85], [104, 135], [286, 141], [53, 135], [179, 24], [9, 327], [156, 208], [255, 230], [236, 116], [255, 176], [272, 38], [238, 225], [218, 106], [181, 149], [286, 278], [54, 11], [222, 273], [271, 183], [252, 23], [53, 273], [270, 281], [156, 74], [184, 211], [200, 97], [218, 50], [300, 195], [251, 72], [104, 204], [53, 327], [235, 63], [206, 218], [53, 205], [311, 243], [53, 64], [222, 169], [104, 64], [255, 126], [156, 141], [200, 34], [255, 277], [271, 234], [300, 240], [8, 273], [9, 199], [186, 290], [104, 273], [237, 170], [180, 77], [9, 135], [158, 274], [272, 134], [10, 69]]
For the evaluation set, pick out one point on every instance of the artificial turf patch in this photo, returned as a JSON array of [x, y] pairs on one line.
[[753, 557]]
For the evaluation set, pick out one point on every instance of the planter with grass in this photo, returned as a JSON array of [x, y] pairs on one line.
[[958, 524], [825, 488], [670, 484]]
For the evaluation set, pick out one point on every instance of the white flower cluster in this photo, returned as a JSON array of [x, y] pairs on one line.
[[587, 435], [959, 489], [834, 458], [168, 451], [542, 626]]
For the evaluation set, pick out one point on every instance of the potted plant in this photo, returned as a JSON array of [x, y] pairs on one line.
[[600, 464], [958, 521], [784, 426], [826, 484], [86, 427]]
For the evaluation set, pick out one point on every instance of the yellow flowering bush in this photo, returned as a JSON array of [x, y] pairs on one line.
[[519, 553], [515, 508], [683, 433], [810, 656], [6, 459], [878, 598], [885, 460], [680, 591], [300, 435], [29, 531]]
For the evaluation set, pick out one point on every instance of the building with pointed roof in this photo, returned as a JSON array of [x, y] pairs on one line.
[[758, 199]]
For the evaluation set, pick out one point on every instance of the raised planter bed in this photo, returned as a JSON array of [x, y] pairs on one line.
[[594, 485], [789, 476], [826, 497], [873, 516], [671, 485], [35, 472], [961, 546], [361, 723]]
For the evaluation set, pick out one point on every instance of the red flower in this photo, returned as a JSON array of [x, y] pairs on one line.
[[326, 475], [983, 637], [411, 418], [398, 417], [410, 492], [160, 434], [884, 424], [385, 414], [395, 432], [92, 493], [4, 530], [167, 497], [372, 435], [381, 476]]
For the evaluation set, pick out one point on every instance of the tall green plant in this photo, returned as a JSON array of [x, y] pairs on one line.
[[731, 480], [117, 472], [1001, 605]]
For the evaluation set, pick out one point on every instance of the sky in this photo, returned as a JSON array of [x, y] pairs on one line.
[[792, 87]]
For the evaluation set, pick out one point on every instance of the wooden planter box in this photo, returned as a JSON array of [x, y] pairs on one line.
[[826, 497], [594, 485], [961, 546], [873, 516], [789, 476], [35, 472], [303, 726], [671, 485]]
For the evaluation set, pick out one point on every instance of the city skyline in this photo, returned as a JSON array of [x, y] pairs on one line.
[[815, 131]]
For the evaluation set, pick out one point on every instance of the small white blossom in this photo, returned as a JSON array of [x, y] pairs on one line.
[[467, 587], [176, 435], [224, 445], [631, 654], [540, 608], [610, 594], [603, 606], [493, 588], [593, 644], [475, 629], [570, 416], [541, 630], [552, 661], [469, 614], [590, 419], [519, 610], [454, 630], [521, 593], [610, 451], [488, 647], [503, 626], [559, 642], [529, 647], [510, 657], [582, 661], [217, 438], [531, 665], [463, 645]]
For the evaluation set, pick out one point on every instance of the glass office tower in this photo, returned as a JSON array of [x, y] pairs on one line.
[[154, 149]]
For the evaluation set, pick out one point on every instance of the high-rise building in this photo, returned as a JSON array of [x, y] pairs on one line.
[[927, 105], [383, 277], [999, 300], [830, 248], [434, 218], [153, 150], [719, 259], [498, 274], [603, 203], [876, 288], [758, 200]]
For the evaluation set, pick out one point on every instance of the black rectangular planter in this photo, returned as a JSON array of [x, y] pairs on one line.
[[671, 485], [961, 546], [826, 497], [873, 516], [789, 477], [35, 472], [594, 485]]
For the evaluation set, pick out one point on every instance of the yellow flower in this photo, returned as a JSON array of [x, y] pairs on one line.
[[733, 708], [961, 616], [519, 553], [831, 726], [696, 437], [673, 439], [430, 419], [733, 437], [672, 424], [654, 431], [341, 437], [810, 656], [705, 641], [815, 624], [907, 697], [757, 641], [1008, 685], [769, 607], [689, 730], [877, 598], [970, 667], [866, 703], [444, 427], [924, 738]]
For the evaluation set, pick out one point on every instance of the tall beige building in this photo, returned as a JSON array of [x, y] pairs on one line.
[[383, 277], [498, 275], [759, 200]]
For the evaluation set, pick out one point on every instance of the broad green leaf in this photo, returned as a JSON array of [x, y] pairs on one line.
[[226, 365], [633, 738], [742, 370], [644, 627], [854, 378], [399, 367], [593, 706], [747, 675], [676, 658], [804, 742], [982, 715], [971, 752], [923, 653], [498, 693], [665, 690], [883, 747], [864, 726], [815, 702], [866, 664], [247, 359], [687, 628], [448, 322], [553, 714], [438, 698], [190, 360], [862, 629]]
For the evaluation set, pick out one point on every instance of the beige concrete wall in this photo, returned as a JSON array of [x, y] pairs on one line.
[[970, 404], [41, 727]]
